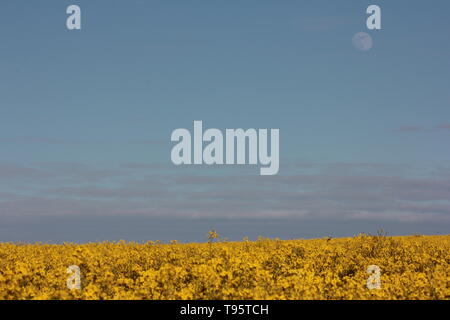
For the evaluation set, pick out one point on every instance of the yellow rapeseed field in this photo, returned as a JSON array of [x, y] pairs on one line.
[[411, 267]]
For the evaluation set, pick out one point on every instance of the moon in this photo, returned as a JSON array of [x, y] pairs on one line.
[[362, 41]]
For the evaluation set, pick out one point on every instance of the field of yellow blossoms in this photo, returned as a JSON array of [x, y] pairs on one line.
[[410, 267]]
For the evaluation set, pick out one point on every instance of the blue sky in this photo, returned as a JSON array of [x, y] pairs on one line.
[[86, 118]]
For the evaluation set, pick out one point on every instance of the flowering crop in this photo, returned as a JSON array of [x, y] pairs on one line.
[[411, 267]]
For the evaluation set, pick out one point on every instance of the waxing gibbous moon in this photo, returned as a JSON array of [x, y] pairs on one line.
[[362, 41]]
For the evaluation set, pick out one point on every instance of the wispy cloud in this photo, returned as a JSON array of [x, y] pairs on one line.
[[18, 171], [411, 129], [444, 126], [315, 191]]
